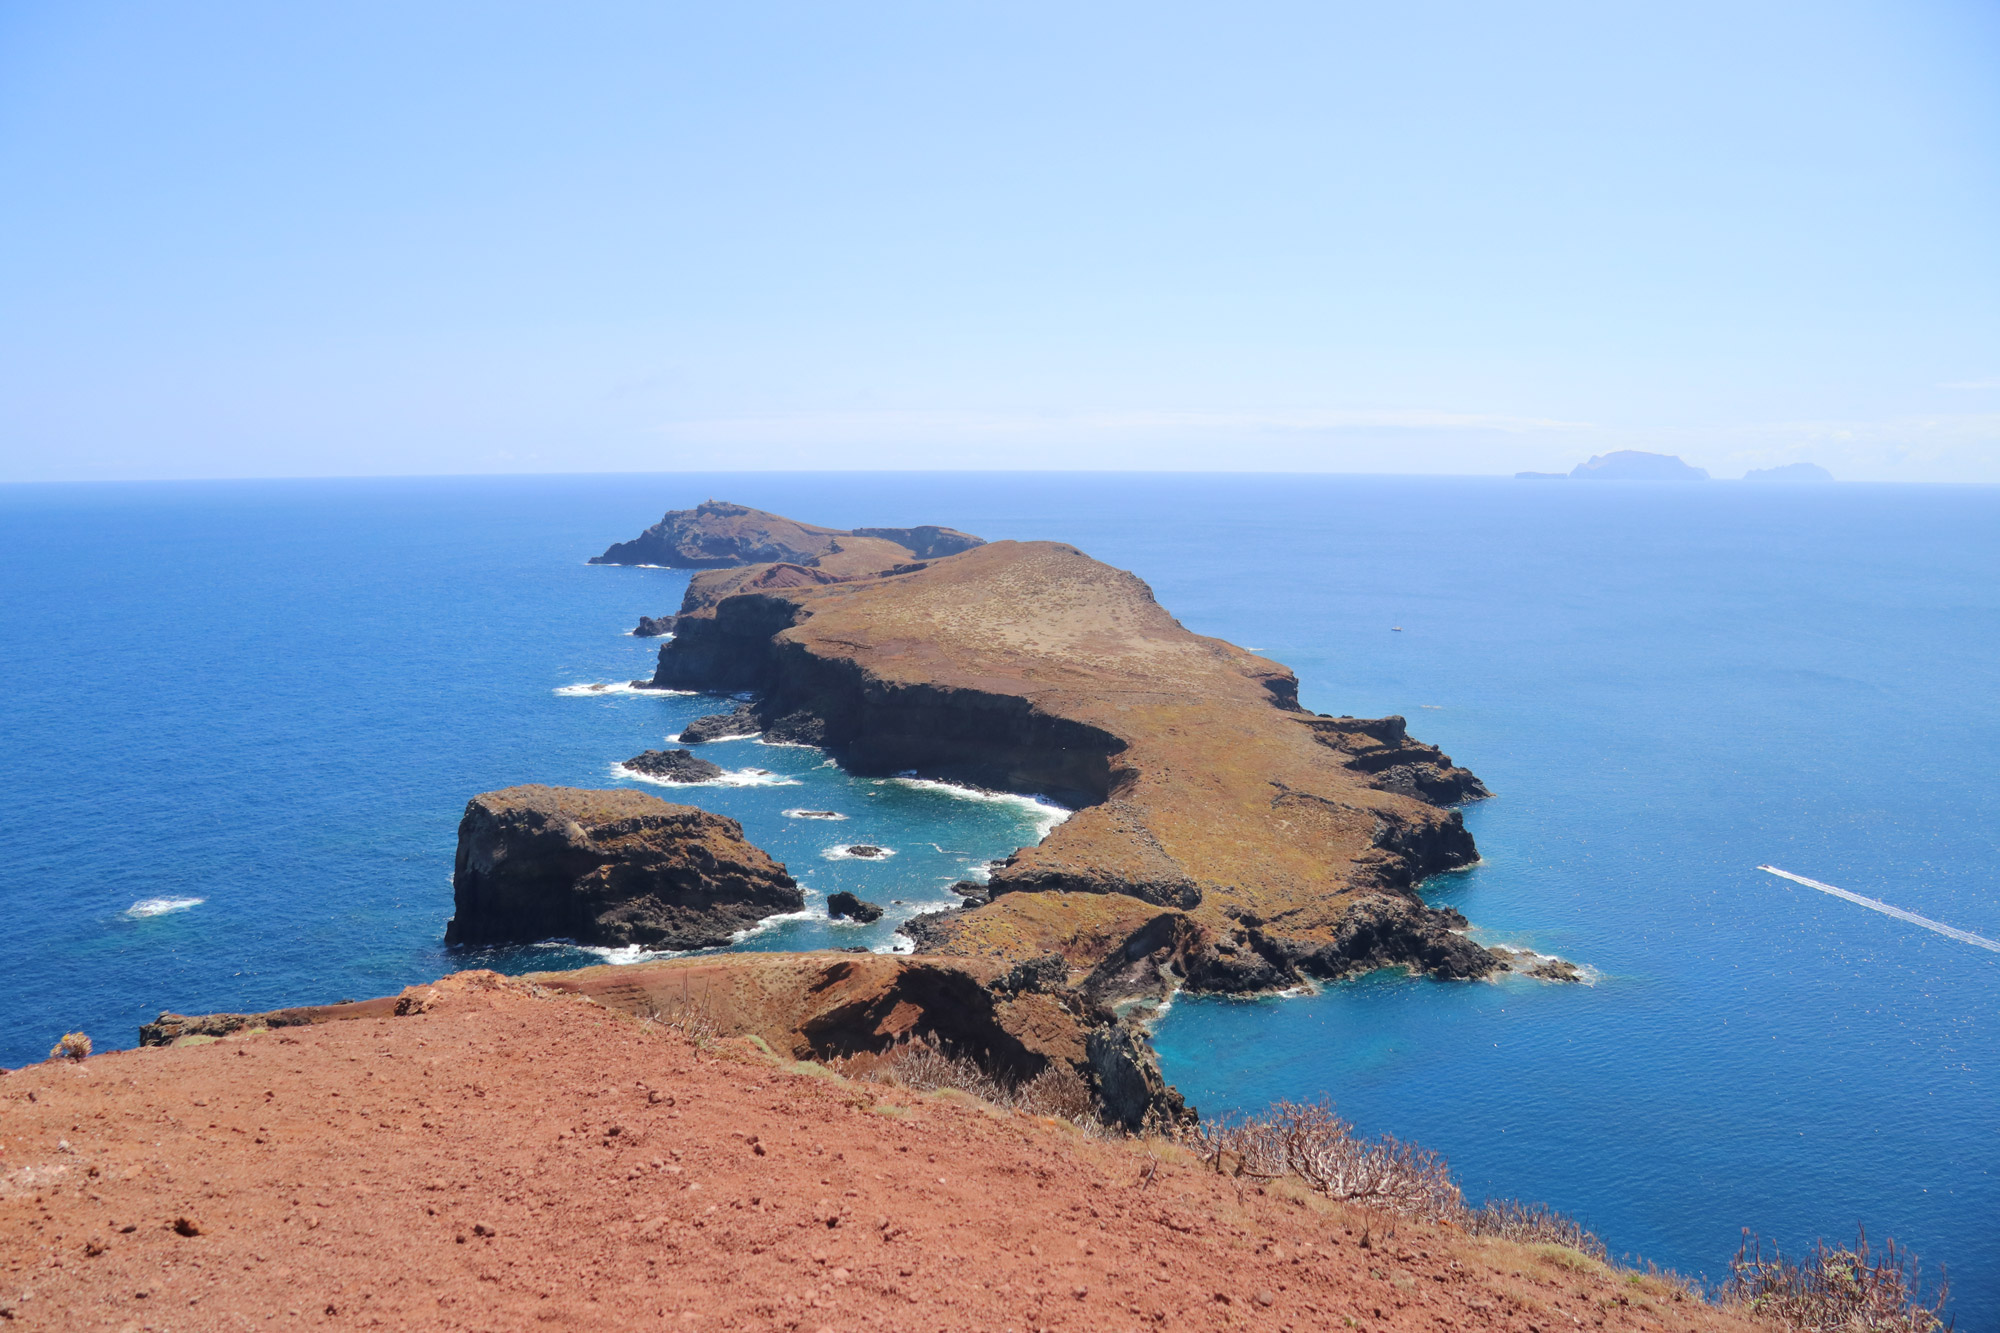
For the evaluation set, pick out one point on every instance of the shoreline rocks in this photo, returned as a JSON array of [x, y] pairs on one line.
[[612, 868], [739, 721], [846, 905], [654, 627], [674, 766]]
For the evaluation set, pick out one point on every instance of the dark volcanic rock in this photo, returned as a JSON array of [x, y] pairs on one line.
[[865, 851], [799, 728], [931, 931], [928, 542], [1386, 931], [655, 627], [741, 721], [674, 766], [1126, 1077], [844, 904], [1050, 972], [609, 868], [1382, 749]]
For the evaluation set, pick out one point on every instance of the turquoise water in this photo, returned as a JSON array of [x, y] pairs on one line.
[[276, 698]]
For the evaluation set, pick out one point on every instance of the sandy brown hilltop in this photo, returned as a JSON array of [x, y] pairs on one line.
[[498, 1156], [1250, 841]]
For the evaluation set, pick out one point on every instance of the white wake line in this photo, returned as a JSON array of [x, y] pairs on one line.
[[1876, 905]]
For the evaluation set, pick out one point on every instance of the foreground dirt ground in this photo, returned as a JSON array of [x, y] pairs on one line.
[[512, 1160]]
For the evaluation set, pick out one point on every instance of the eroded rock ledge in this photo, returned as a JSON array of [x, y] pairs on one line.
[[1014, 1021], [1288, 844]]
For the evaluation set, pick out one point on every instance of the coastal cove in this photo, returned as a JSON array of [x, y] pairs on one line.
[[278, 698]]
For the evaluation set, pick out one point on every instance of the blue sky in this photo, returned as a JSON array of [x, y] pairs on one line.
[[313, 239]]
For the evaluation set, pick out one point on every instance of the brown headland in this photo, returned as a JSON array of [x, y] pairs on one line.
[[1222, 838]]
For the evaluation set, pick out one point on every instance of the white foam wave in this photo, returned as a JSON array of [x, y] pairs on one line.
[[756, 777], [898, 943], [843, 854], [586, 689], [827, 816], [162, 906], [735, 777], [769, 922], [635, 634], [630, 953], [715, 740], [1523, 960], [1047, 814]]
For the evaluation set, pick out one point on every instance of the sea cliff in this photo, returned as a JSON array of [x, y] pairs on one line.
[[1282, 844]]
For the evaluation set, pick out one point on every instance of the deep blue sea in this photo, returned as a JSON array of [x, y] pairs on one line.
[[259, 708]]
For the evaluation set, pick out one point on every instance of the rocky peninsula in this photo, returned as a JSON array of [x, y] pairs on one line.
[[1224, 838]]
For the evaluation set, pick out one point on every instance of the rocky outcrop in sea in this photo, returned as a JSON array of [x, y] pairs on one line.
[[674, 766], [612, 868]]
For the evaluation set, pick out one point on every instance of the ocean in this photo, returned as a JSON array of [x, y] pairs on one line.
[[242, 721]]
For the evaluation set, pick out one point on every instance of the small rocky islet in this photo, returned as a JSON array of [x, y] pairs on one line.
[[674, 766]]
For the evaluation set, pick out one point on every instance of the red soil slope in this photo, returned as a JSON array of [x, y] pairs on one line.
[[515, 1159]]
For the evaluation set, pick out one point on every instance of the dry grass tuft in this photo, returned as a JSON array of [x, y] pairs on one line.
[[1532, 1224], [73, 1046], [1836, 1289], [1058, 1092], [690, 1016], [1321, 1149]]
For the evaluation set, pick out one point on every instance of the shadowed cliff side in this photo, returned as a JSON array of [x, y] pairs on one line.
[[614, 867], [1288, 843]]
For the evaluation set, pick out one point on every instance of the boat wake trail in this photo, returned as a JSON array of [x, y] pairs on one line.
[[1876, 905]]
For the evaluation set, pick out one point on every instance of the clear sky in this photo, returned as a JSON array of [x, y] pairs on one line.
[[313, 238]]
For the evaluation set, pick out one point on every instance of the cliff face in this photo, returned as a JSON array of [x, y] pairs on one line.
[[607, 867], [717, 535], [1202, 786]]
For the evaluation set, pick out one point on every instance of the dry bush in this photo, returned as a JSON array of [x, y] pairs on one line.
[[1321, 1149], [1532, 1224], [1058, 1092], [690, 1016], [73, 1046], [1836, 1289]]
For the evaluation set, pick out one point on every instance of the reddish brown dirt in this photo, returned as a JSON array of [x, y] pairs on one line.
[[511, 1160]]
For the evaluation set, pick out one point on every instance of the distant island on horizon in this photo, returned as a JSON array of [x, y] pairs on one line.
[[1639, 465]]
